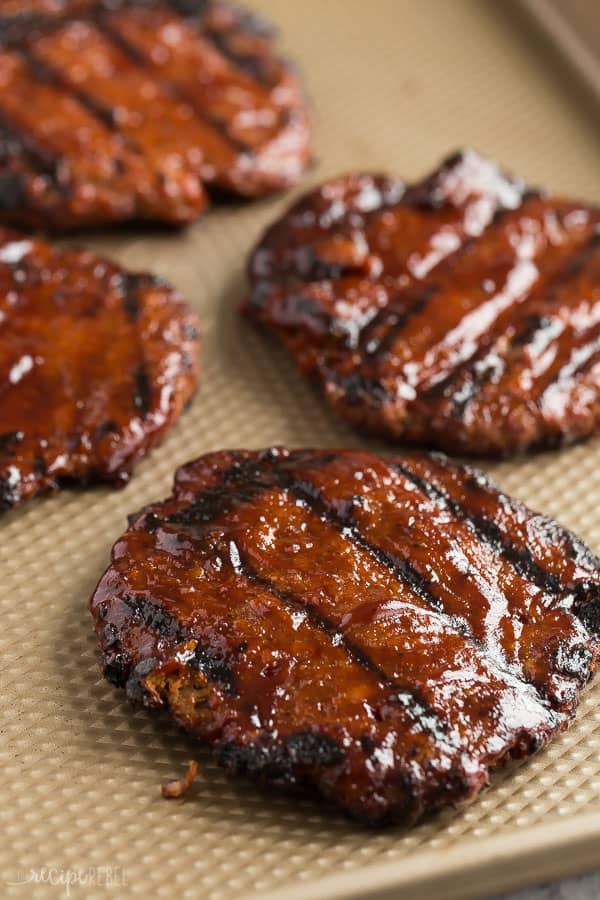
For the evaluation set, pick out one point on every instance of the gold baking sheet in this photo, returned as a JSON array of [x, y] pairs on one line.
[[395, 84]]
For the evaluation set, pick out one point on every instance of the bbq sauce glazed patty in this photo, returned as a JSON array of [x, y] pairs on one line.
[[96, 363], [127, 109], [384, 630], [460, 313]]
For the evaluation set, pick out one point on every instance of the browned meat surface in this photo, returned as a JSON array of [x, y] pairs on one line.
[[119, 109], [461, 313], [386, 631], [95, 365]]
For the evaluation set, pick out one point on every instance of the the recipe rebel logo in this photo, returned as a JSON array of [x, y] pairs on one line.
[[67, 880]]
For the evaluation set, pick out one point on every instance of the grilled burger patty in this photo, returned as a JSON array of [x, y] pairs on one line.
[[385, 630], [121, 109], [96, 363], [460, 313]]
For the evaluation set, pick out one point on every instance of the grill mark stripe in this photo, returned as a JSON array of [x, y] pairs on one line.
[[386, 341], [102, 113], [98, 15], [102, 22], [142, 391], [42, 160], [312, 498], [45, 73], [397, 322], [129, 286], [571, 268], [419, 709], [582, 358], [401, 568], [248, 65], [220, 503], [488, 532]]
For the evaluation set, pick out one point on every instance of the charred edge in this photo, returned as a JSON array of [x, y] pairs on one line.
[[486, 530], [158, 619], [116, 669], [142, 396], [135, 687], [9, 440], [240, 483], [397, 322], [130, 285], [190, 8], [586, 605], [410, 700], [212, 664], [279, 762], [259, 294], [250, 65], [358, 389], [103, 23]]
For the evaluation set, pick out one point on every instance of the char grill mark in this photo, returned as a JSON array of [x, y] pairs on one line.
[[395, 321], [218, 128], [214, 504], [17, 143], [112, 354], [142, 396], [418, 710], [166, 626], [317, 662], [76, 150], [157, 126], [162, 147], [488, 362], [442, 318], [488, 531], [464, 268]]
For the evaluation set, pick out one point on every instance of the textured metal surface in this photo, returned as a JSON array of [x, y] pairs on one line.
[[396, 84]]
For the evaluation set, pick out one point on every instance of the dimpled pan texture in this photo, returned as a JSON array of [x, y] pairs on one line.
[[126, 110], [96, 363], [460, 313], [386, 631]]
